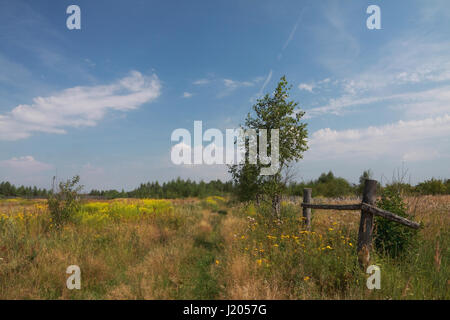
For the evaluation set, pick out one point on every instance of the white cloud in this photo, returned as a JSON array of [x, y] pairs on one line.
[[335, 106], [226, 85], [314, 85], [187, 95], [407, 69], [258, 79], [232, 84], [201, 81], [423, 103], [25, 164], [78, 106], [306, 87], [414, 140]]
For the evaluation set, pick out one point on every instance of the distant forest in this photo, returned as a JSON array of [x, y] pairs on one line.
[[9, 190], [327, 185]]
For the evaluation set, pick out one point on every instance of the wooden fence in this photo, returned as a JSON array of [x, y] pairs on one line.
[[368, 211]]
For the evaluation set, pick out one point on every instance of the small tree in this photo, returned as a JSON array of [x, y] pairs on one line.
[[246, 177], [274, 112], [326, 177], [367, 174], [390, 237], [63, 204]]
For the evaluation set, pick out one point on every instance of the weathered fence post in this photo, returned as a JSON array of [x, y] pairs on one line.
[[307, 211], [366, 223]]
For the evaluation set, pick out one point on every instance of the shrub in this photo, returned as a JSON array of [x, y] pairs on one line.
[[64, 204], [390, 237], [336, 187], [433, 186]]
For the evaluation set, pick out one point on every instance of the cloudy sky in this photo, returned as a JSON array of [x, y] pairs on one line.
[[103, 101]]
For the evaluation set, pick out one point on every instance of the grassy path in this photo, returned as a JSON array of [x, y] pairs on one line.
[[185, 266], [200, 267]]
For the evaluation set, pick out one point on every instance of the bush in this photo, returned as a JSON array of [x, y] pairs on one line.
[[433, 186], [390, 237], [337, 187], [64, 204], [327, 185]]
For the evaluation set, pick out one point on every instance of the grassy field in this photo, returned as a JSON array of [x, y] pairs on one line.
[[211, 249]]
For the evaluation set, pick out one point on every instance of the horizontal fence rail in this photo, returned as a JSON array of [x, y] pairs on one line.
[[390, 216], [332, 206], [372, 209]]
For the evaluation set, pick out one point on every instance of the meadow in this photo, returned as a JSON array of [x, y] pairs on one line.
[[212, 248]]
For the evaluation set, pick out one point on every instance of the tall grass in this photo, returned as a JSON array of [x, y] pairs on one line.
[[293, 263], [186, 249]]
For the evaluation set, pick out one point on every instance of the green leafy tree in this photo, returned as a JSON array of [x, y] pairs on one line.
[[273, 111], [367, 174], [332, 187], [63, 204], [326, 177]]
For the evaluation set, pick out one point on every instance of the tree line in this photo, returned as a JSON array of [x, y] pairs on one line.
[[9, 190], [330, 186], [326, 185], [178, 188]]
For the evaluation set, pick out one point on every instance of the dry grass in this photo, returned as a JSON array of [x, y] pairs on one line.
[[243, 282], [185, 250]]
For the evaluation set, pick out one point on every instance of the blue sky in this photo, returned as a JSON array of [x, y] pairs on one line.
[[103, 101]]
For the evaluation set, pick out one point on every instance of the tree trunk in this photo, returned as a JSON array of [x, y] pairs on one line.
[[276, 206]]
